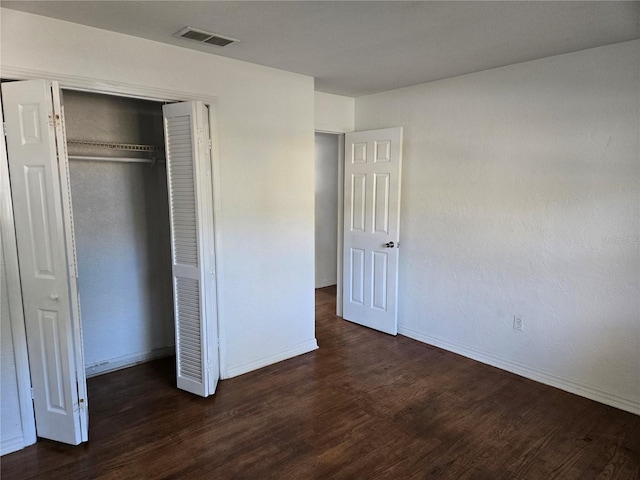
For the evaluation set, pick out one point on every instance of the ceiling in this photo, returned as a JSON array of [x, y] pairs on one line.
[[356, 48]]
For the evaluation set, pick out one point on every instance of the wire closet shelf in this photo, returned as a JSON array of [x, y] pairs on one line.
[[155, 153]]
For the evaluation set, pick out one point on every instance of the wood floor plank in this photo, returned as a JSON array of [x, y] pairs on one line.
[[364, 406]]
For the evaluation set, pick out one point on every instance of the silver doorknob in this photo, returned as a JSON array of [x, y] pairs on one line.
[[54, 297], [390, 245]]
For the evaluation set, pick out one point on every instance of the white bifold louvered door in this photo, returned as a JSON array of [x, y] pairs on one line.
[[38, 169], [372, 171], [188, 153]]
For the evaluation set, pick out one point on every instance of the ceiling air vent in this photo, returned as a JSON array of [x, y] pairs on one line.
[[205, 37]]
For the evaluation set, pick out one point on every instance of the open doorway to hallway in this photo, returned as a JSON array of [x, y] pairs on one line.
[[327, 147]]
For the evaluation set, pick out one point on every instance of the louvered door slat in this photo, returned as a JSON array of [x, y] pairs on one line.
[[182, 193], [189, 333]]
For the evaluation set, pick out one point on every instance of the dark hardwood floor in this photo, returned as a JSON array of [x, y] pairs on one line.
[[363, 406]]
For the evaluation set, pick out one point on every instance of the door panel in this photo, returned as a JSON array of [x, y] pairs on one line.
[[192, 246], [357, 276], [358, 204], [371, 228], [381, 203], [42, 253], [380, 281], [37, 221]]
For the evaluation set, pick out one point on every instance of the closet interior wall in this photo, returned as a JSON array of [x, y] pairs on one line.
[[121, 221]]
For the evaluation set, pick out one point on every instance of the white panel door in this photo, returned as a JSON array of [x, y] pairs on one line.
[[189, 182], [45, 252], [372, 173]]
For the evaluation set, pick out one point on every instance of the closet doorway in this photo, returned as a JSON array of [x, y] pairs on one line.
[[144, 244], [122, 234]]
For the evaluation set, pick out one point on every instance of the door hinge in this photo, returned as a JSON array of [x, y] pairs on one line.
[[32, 397], [4, 128]]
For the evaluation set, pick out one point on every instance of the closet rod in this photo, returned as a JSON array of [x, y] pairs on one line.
[[91, 158]]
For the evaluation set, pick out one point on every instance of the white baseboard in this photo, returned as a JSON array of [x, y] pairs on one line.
[[234, 371], [325, 283], [12, 444], [591, 393], [114, 364]]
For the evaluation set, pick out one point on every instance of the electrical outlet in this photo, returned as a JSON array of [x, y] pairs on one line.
[[518, 323]]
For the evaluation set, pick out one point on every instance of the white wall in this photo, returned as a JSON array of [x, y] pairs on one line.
[[334, 113], [326, 209], [520, 195], [266, 161]]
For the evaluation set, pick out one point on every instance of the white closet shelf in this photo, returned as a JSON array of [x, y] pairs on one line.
[[94, 158], [152, 150], [128, 147]]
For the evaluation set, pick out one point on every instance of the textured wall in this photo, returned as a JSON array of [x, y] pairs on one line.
[[520, 196], [326, 209]]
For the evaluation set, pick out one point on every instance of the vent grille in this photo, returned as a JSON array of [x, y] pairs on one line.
[[203, 36]]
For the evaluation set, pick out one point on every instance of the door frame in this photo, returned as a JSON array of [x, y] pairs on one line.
[[108, 87], [340, 239]]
